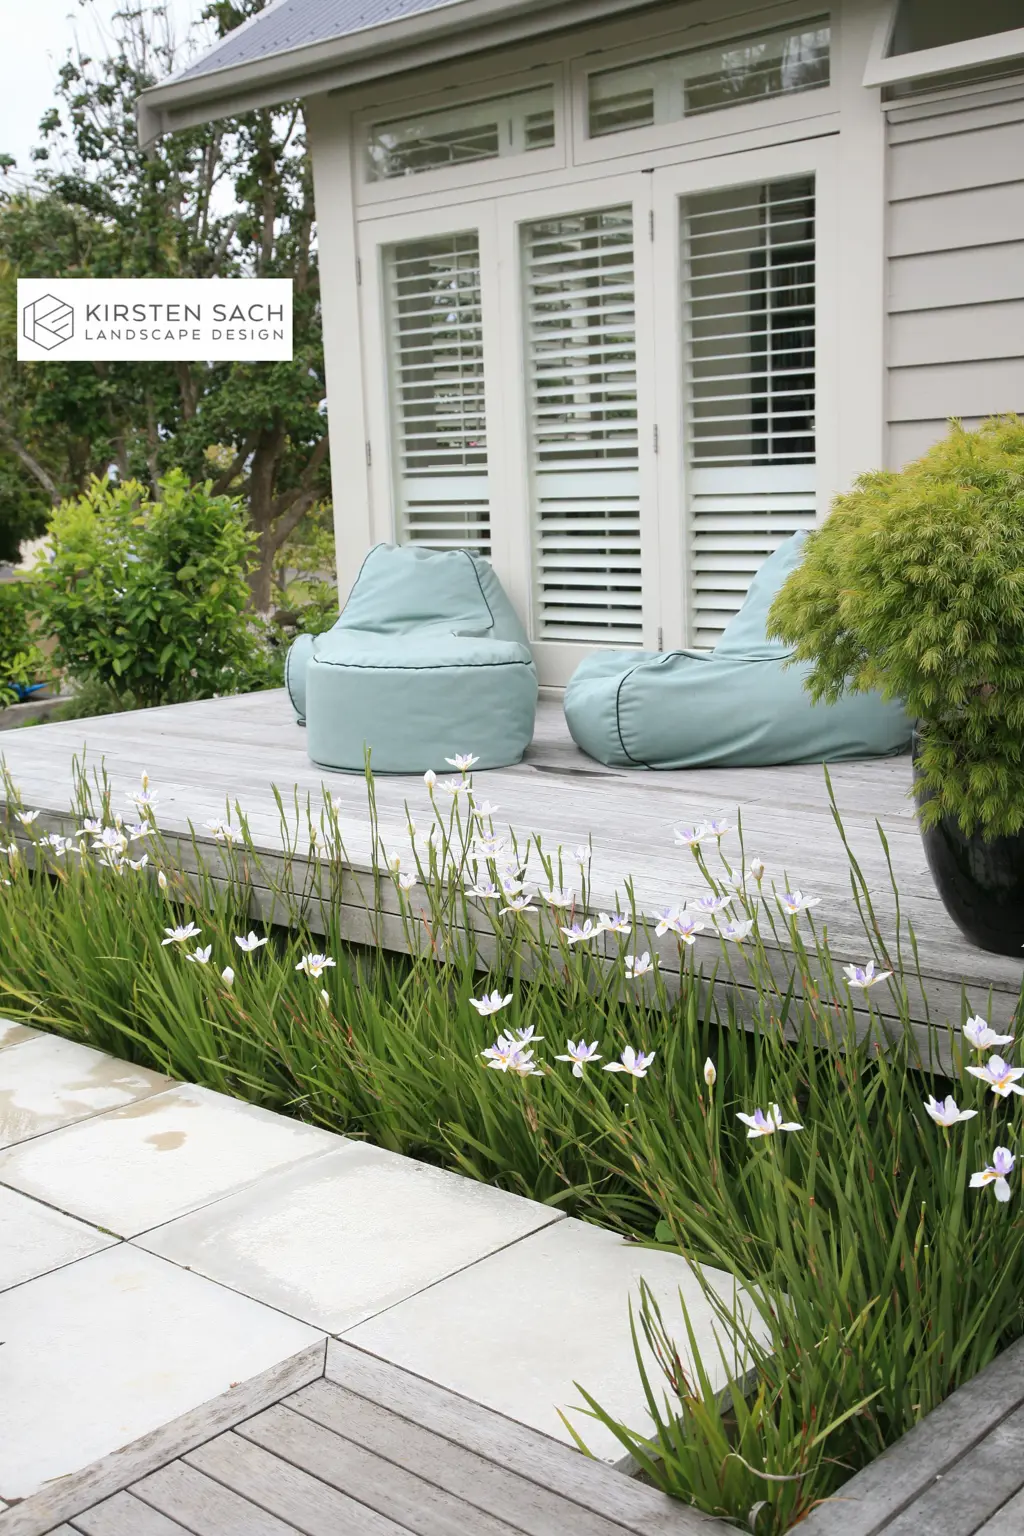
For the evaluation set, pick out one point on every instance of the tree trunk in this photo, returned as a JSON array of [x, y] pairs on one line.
[[260, 493]]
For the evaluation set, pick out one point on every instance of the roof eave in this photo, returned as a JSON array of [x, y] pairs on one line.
[[430, 37], [313, 67]]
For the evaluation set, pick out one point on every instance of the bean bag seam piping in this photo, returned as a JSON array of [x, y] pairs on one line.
[[435, 666]]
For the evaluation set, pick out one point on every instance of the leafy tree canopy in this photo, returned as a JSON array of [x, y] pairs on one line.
[[226, 199]]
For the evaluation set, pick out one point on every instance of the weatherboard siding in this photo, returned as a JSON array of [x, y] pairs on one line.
[[955, 259]]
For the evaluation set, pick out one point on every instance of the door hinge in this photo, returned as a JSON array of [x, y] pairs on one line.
[[359, 272], [650, 221], [655, 437], [661, 639], [369, 456]]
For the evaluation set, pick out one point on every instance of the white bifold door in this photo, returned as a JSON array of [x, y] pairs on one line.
[[620, 391]]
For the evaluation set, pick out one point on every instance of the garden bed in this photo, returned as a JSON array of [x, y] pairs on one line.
[[884, 1279]]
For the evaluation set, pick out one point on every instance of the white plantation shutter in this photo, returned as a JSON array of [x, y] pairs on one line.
[[749, 307], [436, 388], [581, 392]]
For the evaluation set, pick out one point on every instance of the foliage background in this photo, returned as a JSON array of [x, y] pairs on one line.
[[228, 199]]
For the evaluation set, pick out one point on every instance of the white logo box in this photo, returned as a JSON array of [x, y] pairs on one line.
[[154, 319]]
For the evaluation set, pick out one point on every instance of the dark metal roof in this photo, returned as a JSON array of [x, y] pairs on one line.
[[288, 24]]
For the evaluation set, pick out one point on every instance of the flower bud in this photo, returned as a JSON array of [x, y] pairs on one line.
[[430, 778], [710, 1075], [161, 880], [757, 870], [227, 976], [325, 997]]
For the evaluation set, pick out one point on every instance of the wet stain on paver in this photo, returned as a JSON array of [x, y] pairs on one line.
[[167, 1141]]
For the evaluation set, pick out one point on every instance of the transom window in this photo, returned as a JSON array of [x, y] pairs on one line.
[[678, 85], [479, 130]]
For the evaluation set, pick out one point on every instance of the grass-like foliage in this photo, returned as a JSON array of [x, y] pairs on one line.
[[915, 586], [881, 1271]]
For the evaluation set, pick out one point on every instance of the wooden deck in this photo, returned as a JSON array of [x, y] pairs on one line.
[[203, 755], [369, 1450], [960, 1472]]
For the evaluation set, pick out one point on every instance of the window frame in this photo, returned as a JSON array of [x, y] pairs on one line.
[[881, 69], [471, 173], [744, 117]]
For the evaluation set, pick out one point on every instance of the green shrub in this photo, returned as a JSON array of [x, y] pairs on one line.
[[303, 570], [915, 586], [149, 598], [21, 661]]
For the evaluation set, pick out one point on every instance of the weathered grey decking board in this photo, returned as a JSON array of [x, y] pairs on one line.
[[368, 1450], [960, 1472], [202, 756]]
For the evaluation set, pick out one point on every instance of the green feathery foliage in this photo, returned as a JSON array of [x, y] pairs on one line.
[[915, 586]]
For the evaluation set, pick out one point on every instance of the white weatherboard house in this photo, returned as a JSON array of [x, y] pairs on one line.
[[622, 294]]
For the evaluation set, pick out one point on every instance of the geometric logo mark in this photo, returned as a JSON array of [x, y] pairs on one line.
[[48, 321]]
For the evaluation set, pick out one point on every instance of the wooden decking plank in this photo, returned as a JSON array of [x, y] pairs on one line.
[[630, 812], [379, 1484], [493, 1488], [1007, 1521], [534, 1456], [977, 1486], [205, 1507], [283, 1489], [872, 1500], [125, 1515]]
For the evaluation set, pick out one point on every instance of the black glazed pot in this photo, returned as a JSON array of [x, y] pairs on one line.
[[980, 880]]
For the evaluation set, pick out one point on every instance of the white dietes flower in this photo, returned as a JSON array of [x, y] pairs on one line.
[[997, 1173], [200, 956], [249, 942], [761, 1124], [977, 1031], [1000, 1076], [579, 1054], [945, 1112], [638, 965], [314, 965], [864, 976], [795, 902], [491, 1002], [736, 932], [463, 761], [181, 935], [635, 1063]]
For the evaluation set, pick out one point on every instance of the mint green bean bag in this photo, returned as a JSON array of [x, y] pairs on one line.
[[427, 660], [739, 706]]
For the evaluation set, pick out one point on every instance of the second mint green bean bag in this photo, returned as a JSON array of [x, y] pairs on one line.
[[428, 660], [738, 706]]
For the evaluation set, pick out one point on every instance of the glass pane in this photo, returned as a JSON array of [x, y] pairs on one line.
[[482, 130], [663, 90], [932, 23]]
